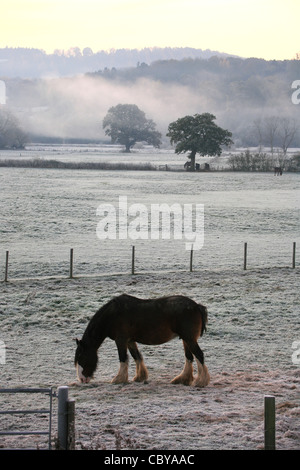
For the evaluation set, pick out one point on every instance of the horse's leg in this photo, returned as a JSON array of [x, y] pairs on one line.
[[122, 375], [186, 376], [141, 369], [202, 378]]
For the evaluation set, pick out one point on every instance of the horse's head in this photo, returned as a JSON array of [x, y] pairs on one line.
[[85, 361]]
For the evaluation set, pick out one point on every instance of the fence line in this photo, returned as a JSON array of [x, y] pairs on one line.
[[133, 271], [47, 391], [66, 418]]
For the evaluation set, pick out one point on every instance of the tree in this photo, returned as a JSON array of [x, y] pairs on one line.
[[11, 134], [288, 129], [258, 132], [271, 126], [198, 134], [275, 130], [126, 124]]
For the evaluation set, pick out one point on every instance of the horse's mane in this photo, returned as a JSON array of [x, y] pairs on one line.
[[96, 323]]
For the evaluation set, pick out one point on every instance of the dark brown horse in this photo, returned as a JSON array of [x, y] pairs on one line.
[[127, 320], [277, 171]]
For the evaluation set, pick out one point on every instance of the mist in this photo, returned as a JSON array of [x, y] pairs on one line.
[[74, 107]]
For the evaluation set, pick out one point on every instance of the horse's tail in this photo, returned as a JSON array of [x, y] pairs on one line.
[[203, 311]]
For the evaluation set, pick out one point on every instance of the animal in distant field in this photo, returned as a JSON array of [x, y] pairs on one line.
[[277, 171], [128, 320]]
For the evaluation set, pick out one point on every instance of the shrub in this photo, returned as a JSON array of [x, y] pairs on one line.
[[246, 161]]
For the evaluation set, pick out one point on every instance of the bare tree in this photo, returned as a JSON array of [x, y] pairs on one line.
[[11, 134], [270, 129], [258, 133], [287, 132]]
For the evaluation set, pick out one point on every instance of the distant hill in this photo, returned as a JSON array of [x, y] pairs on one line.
[[35, 63], [239, 92]]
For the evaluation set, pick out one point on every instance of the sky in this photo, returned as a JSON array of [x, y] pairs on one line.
[[266, 29]]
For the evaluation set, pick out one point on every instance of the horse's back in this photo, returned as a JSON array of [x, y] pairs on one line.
[[162, 318], [168, 305]]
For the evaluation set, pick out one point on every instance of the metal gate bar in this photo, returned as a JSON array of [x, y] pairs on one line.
[[47, 391]]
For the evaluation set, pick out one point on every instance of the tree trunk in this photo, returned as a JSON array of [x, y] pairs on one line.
[[128, 144], [192, 156]]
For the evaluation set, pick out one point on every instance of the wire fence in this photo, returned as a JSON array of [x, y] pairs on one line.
[[133, 261]]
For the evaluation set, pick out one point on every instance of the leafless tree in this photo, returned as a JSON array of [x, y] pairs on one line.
[[275, 130], [270, 129], [287, 132], [258, 132], [11, 134]]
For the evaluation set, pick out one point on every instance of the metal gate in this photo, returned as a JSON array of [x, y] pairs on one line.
[[12, 431]]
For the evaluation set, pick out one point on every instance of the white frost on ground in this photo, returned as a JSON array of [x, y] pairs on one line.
[[253, 321]]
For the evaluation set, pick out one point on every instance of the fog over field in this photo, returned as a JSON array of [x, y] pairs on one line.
[[75, 107], [78, 105], [238, 91]]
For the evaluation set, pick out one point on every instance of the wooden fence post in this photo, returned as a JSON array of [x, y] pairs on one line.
[[6, 267], [269, 422], [62, 418], [132, 260], [65, 420], [191, 259], [294, 255], [245, 256], [71, 263], [71, 424]]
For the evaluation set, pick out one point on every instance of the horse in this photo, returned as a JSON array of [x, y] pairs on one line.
[[129, 320], [277, 171]]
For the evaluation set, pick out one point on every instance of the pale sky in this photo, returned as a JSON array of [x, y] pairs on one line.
[[267, 29]]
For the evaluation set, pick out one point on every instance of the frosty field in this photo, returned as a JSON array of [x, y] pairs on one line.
[[253, 315]]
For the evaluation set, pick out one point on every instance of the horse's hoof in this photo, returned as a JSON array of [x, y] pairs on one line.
[[201, 382], [118, 381], [182, 381], [74, 384], [140, 379], [203, 377]]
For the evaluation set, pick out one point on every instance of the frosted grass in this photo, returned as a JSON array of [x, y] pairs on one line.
[[44, 213]]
